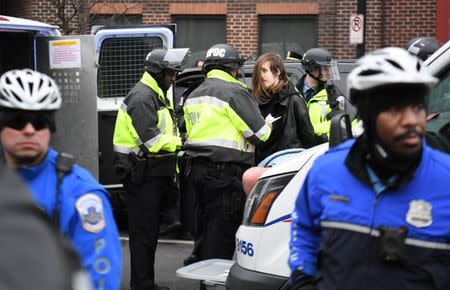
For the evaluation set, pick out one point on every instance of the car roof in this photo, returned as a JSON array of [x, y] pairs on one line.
[[8, 23]]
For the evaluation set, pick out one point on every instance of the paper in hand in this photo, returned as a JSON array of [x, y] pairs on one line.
[[270, 119]]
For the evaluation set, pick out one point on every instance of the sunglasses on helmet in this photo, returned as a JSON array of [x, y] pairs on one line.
[[18, 120]]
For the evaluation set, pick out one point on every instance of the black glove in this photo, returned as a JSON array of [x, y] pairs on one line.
[[299, 281]]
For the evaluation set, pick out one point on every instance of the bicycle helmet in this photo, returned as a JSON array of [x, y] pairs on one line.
[[29, 90], [388, 66]]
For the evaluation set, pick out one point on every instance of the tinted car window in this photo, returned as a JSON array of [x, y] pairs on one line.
[[295, 72], [439, 100], [293, 68]]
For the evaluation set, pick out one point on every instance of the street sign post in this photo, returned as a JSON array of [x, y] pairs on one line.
[[357, 29]]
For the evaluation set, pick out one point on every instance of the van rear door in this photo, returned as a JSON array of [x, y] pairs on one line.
[[70, 61], [120, 53]]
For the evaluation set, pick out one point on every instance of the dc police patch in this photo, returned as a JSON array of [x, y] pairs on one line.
[[90, 209]]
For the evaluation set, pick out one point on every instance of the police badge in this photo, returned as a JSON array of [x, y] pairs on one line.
[[419, 213]]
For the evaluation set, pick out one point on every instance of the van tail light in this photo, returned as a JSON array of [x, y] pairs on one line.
[[262, 197]]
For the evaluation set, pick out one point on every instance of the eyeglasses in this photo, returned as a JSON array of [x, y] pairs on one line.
[[18, 121]]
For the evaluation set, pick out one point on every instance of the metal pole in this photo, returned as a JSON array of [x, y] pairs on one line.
[[361, 9]]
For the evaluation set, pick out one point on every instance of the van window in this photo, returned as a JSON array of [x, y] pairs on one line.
[[16, 50], [121, 64]]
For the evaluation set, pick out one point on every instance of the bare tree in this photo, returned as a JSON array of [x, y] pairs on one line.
[[74, 16], [70, 14]]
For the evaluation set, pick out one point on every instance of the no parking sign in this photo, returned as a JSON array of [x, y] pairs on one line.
[[356, 29]]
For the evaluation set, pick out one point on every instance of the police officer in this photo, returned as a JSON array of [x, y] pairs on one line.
[[223, 124], [69, 194], [145, 141], [320, 95], [423, 47], [373, 212], [44, 260]]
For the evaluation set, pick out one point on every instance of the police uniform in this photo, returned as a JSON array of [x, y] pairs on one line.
[[145, 126], [85, 216], [321, 102], [353, 231], [223, 124]]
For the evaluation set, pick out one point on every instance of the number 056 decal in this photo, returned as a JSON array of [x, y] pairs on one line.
[[245, 248]]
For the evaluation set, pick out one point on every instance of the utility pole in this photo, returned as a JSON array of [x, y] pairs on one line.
[[361, 9]]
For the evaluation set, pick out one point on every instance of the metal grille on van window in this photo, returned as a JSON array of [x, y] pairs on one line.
[[121, 64]]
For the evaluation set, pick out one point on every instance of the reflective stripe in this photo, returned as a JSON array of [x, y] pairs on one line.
[[247, 133], [161, 155], [427, 244], [376, 233], [263, 131], [163, 123], [153, 141], [215, 142], [206, 100], [125, 150], [123, 107]]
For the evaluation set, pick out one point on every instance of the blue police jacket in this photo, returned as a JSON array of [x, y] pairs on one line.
[[85, 217], [336, 227]]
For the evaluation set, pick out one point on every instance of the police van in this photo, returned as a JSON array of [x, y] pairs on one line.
[[94, 73], [262, 241]]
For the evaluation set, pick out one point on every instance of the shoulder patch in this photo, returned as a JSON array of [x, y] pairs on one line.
[[90, 209]]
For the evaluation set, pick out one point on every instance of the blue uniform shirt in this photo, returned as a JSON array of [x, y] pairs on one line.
[[337, 218], [85, 217]]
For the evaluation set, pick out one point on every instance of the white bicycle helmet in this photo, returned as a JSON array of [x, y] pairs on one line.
[[388, 66], [29, 90]]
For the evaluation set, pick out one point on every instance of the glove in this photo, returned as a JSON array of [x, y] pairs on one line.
[[299, 281]]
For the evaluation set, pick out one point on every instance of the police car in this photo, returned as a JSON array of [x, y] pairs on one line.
[[262, 241]]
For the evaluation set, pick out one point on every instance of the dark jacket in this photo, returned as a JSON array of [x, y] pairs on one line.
[[293, 130]]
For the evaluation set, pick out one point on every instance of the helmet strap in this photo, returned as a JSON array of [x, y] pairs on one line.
[[387, 163], [318, 79]]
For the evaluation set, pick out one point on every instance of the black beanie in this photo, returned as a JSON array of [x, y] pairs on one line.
[[372, 102]]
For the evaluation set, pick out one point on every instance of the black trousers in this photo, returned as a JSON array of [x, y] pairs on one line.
[[220, 202], [143, 207]]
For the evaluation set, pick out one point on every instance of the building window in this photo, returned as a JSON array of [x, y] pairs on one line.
[[199, 33], [280, 34]]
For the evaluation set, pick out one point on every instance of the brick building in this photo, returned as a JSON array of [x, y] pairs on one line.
[[255, 26]]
